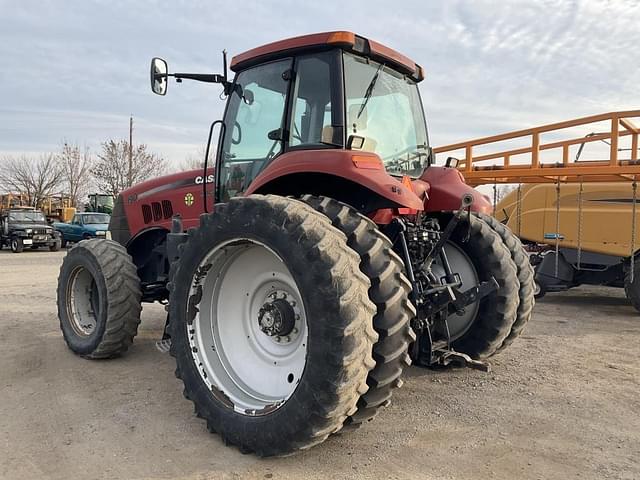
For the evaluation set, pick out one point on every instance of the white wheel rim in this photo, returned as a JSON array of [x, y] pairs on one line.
[[82, 302], [462, 265], [233, 339]]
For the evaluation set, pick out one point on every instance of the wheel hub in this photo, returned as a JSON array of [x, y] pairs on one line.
[[277, 318], [461, 264]]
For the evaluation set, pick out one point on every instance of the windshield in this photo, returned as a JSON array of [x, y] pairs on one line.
[[384, 108], [95, 218], [27, 216], [101, 200]]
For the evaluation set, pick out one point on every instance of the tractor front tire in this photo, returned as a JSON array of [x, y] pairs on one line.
[[389, 292], [525, 273], [98, 299], [497, 311], [271, 324]]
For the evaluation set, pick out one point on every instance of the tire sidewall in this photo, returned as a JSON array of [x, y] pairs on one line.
[[81, 257], [495, 315], [319, 309], [482, 266]]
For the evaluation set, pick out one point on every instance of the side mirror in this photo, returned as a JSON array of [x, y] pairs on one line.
[[159, 79]]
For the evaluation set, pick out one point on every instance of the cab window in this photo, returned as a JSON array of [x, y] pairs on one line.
[[311, 118]]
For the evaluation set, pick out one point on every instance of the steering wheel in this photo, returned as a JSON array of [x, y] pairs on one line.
[[237, 126]]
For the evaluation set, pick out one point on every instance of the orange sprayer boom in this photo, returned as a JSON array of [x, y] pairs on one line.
[[553, 152]]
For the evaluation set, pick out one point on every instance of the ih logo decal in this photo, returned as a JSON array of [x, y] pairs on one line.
[[188, 199]]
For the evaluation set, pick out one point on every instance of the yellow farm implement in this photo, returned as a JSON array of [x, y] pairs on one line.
[[576, 216]]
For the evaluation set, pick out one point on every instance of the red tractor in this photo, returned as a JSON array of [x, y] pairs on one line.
[[320, 254]]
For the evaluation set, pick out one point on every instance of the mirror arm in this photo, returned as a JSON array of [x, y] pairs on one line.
[[200, 77]]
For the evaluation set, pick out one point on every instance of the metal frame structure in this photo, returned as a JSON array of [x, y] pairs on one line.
[[528, 167]]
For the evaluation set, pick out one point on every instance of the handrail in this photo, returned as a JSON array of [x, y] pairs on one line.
[[533, 170]]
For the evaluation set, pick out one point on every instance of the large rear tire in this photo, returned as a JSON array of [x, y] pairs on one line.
[[389, 292], [271, 324], [98, 299], [496, 313], [527, 290]]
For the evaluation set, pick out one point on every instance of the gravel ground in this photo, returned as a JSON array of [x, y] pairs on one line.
[[563, 402]]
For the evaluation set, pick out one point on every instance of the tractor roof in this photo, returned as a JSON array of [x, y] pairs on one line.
[[346, 40]]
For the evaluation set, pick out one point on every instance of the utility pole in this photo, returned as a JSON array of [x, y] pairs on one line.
[[130, 150]]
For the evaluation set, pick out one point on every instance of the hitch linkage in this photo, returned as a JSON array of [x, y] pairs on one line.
[[467, 201], [435, 302]]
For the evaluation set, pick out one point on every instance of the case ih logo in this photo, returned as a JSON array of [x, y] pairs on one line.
[[200, 179], [188, 199]]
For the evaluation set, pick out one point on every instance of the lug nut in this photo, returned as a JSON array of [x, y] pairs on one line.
[[295, 330], [278, 339]]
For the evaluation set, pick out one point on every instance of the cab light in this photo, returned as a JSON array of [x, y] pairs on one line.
[[348, 38], [369, 162]]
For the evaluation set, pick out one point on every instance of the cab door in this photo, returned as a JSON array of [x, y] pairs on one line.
[[254, 126], [75, 229]]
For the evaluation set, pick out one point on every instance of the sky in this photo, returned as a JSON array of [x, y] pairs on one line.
[[75, 70]]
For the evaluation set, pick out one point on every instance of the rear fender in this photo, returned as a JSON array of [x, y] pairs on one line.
[[446, 189], [323, 171]]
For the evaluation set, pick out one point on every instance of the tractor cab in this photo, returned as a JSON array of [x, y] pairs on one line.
[[328, 91]]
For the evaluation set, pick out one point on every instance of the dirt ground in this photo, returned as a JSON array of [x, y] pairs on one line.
[[563, 402]]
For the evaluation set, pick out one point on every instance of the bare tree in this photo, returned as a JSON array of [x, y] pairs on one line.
[[76, 171], [36, 178], [111, 169], [194, 161]]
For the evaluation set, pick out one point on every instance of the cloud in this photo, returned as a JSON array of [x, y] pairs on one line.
[[78, 70]]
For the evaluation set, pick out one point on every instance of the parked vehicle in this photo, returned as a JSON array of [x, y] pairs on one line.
[[321, 254], [594, 234], [100, 203], [22, 227], [83, 226]]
